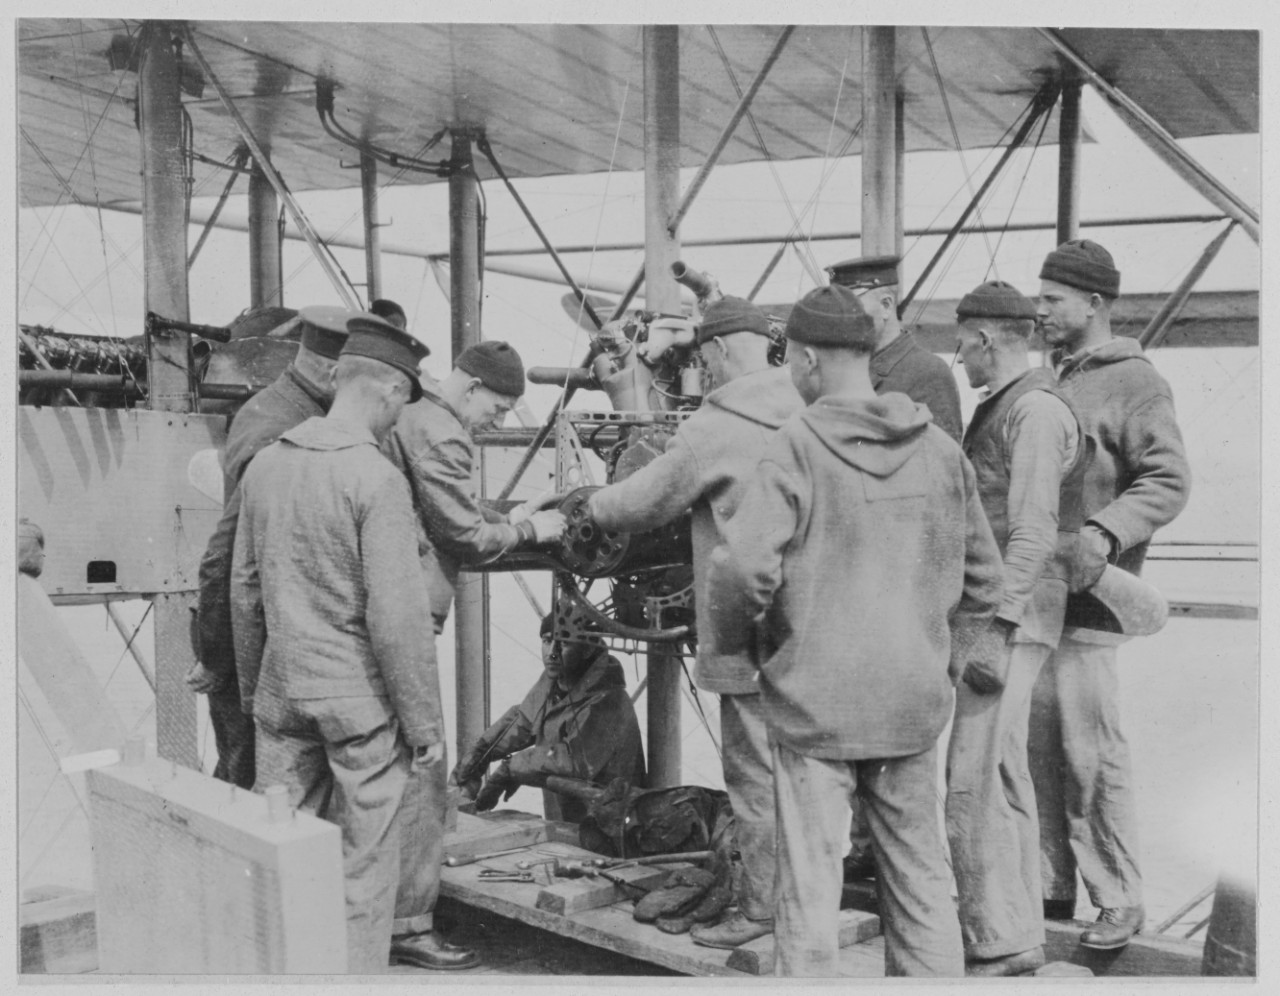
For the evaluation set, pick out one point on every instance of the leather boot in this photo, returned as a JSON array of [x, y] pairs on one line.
[[1114, 928], [1022, 963], [430, 950], [730, 932]]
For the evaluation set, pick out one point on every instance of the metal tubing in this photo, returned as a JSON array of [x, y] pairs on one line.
[[879, 141], [671, 90], [1161, 142], [264, 242], [744, 104], [470, 613], [1069, 162], [1162, 320], [164, 226], [70, 379], [487, 149], [1040, 104], [130, 644], [242, 154], [260, 157], [372, 239], [662, 293]]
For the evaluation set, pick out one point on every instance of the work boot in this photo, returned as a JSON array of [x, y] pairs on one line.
[[1022, 963], [859, 866], [730, 932], [1059, 909], [430, 950], [1114, 928]]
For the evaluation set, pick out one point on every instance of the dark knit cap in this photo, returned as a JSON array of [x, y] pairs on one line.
[[497, 365], [324, 329], [832, 316], [996, 299], [729, 315], [392, 312], [1085, 265], [873, 271], [376, 338]]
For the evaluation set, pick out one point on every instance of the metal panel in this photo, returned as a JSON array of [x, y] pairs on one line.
[[110, 486], [192, 876]]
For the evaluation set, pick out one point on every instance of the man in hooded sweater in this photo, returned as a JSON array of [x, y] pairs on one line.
[[1138, 481], [705, 468], [859, 569]]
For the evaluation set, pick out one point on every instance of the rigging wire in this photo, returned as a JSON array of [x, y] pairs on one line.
[[955, 135], [835, 115], [97, 196], [1017, 194]]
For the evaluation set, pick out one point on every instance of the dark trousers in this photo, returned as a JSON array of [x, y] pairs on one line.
[[233, 734]]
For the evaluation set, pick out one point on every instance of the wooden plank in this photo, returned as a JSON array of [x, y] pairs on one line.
[[58, 936], [476, 835], [610, 927], [577, 894], [1145, 955], [757, 957]]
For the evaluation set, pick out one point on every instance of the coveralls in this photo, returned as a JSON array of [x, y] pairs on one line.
[[588, 731], [287, 401], [434, 451], [857, 552], [335, 655], [706, 467], [1138, 481], [1023, 442]]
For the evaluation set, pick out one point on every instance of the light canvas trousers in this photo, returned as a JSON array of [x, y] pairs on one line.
[[1084, 784], [748, 778], [921, 931], [991, 813]]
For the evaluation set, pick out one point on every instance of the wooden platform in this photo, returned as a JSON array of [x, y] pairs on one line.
[[611, 926]]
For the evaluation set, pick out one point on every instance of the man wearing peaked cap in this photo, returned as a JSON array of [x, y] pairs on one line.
[[1137, 482], [856, 558], [1029, 458], [433, 447], [304, 390], [705, 468], [335, 657], [900, 363]]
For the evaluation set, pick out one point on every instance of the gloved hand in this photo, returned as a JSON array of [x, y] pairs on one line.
[[1093, 551], [202, 681], [548, 526], [499, 785], [470, 770], [986, 666]]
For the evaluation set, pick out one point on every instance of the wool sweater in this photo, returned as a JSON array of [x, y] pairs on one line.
[[858, 553], [706, 467], [1139, 479]]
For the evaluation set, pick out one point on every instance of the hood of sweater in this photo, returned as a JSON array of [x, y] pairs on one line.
[[1121, 347], [766, 397], [893, 421]]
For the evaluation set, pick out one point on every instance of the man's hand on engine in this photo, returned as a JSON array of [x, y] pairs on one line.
[[548, 526]]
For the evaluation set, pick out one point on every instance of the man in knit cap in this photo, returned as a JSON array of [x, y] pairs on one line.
[[1029, 458], [432, 446], [1137, 482], [858, 571], [335, 655], [302, 391], [705, 468]]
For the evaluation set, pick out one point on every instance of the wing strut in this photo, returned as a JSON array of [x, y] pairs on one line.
[[1161, 142], [273, 177]]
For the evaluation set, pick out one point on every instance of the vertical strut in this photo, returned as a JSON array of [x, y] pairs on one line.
[[264, 242], [470, 614], [662, 294], [1069, 162], [879, 141], [372, 240]]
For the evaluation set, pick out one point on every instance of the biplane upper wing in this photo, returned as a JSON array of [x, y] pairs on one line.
[[567, 99]]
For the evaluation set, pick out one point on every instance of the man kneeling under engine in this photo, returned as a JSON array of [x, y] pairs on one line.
[[576, 721]]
